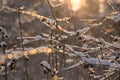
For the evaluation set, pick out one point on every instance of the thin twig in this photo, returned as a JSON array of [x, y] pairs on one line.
[[109, 3], [3, 50], [21, 34], [52, 30]]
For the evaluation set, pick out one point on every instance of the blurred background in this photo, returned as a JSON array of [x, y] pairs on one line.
[[82, 13]]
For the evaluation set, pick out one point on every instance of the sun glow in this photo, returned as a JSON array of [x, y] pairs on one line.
[[76, 4], [61, 0]]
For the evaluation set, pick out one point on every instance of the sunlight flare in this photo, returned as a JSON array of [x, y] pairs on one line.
[[76, 4]]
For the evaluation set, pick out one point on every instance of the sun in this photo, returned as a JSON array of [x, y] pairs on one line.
[[76, 4]]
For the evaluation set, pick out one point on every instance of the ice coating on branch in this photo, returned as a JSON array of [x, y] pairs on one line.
[[116, 17], [25, 42], [3, 44], [56, 5], [96, 61], [1, 29], [46, 65], [75, 65], [37, 37], [83, 31]]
